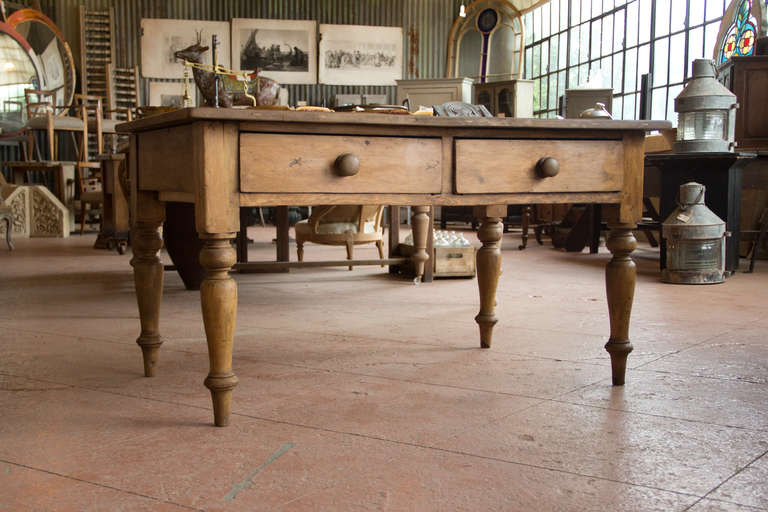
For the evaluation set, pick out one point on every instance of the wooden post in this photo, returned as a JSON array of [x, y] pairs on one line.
[[488, 267]]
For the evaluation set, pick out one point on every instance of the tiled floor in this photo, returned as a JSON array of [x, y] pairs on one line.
[[359, 391]]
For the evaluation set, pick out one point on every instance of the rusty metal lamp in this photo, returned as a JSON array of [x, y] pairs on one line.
[[706, 113], [695, 239]]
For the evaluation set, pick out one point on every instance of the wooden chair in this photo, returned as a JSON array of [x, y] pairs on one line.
[[342, 225], [44, 115]]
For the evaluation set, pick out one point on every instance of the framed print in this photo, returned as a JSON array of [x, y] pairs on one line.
[[160, 38], [171, 94], [283, 50], [360, 55]]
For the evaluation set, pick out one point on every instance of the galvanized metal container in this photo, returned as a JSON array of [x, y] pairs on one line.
[[695, 239]]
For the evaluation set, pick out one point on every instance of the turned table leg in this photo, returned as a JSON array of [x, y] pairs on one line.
[[620, 275], [148, 277], [420, 229], [218, 298], [488, 267]]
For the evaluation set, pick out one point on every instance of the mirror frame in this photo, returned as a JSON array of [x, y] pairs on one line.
[[70, 79], [6, 28]]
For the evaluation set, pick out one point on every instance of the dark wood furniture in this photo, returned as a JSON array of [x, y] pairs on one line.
[[222, 159], [721, 174], [747, 78]]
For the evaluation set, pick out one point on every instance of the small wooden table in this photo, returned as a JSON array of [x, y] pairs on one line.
[[222, 159]]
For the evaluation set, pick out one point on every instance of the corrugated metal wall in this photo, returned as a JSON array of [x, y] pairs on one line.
[[425, 24]]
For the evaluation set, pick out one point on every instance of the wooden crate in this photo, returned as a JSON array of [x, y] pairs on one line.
[[446, 261]]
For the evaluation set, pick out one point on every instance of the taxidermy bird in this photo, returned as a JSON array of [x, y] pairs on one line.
[[231, 90]]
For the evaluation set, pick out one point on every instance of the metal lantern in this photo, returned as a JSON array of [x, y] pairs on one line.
[[695, 239], [706, 113]]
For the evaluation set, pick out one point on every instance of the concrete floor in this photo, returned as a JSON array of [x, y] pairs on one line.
[[359, 391]]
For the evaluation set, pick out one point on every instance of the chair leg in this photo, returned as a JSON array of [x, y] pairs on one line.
[[380, 247], [350, 251], [82, 216], [299, 248], [8, 228]]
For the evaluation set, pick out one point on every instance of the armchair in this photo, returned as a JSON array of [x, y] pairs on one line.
[[342, 225]]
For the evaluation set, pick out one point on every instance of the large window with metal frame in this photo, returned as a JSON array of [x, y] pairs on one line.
[[612, 44]]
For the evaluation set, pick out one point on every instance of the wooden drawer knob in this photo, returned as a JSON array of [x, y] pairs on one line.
[[547, 167], [347, 164]]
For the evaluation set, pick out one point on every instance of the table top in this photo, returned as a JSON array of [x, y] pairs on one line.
[[189, 115]]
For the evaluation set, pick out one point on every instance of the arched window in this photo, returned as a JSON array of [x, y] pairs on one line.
[[488, 42], [739, 29]]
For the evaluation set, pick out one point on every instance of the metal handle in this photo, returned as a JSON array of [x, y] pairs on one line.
[[347, 164], [547, 167]]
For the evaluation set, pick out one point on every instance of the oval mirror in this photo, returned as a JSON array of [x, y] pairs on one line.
[[57, 67], [18, 71]]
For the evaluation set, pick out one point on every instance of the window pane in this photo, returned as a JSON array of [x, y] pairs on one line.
[[544, 21], [554, 53], [563, 61], [537, 23], [544, 93], [616, 108], [607, 37], [630, 70], [643, 62], [695, 47], [575, 10], [575, 35], [629, 107], [606, 72], [673, 92], [715, 9], [645, 20], [528, 63], [586, 10], [632, 21], [597, 8], [584, 44], [618, 71], [528, 22], [607, 5], [564, 14], [661, 52], [544, 57], [583, 75], [618, 31], [677, 58], [536, 61], [696, 14], [596, 27], [659, 103], [560, 83], [573, 77], [710, 36], [662, 18], [554, 17], [552, 92], [678, 15]]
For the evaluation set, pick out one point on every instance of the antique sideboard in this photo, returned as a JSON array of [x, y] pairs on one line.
[[222, 159]]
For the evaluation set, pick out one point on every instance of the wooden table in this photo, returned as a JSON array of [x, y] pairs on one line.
[[222, 159]]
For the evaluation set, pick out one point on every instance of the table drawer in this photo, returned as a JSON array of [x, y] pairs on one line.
[[509, 165], [273, 162]]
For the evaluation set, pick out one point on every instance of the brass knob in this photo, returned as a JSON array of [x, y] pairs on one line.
[[347, 164], [547, 167]]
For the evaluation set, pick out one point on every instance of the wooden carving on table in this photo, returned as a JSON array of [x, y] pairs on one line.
[[231, 91]]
